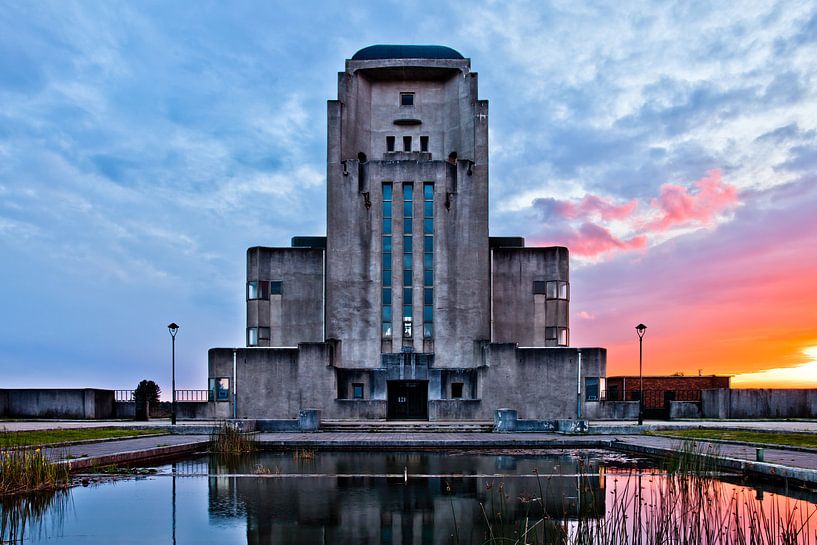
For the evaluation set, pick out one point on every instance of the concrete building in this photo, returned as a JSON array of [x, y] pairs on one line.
[[407, 309]]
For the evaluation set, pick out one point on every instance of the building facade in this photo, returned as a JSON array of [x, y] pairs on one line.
[[407, 309]]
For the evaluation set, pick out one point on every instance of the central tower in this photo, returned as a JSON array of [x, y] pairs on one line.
[[407, 263]]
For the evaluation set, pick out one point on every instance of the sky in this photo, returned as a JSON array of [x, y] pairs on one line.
[[672, 146]]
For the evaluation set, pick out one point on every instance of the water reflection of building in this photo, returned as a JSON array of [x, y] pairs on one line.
[[407, 308], [343, 506]]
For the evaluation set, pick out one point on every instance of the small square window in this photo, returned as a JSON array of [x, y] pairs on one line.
[[406, 99], [389, 143], [219, 389], [456, 390], [424, 143], [407, 143], [357, 390], [276, 287], [557, 289], [539, 287]]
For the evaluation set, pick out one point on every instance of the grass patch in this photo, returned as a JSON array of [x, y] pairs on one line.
[[26, 471], [746, 436], [228, 439], [47, 437]]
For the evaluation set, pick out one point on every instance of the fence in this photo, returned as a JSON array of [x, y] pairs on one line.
[[182, 396]]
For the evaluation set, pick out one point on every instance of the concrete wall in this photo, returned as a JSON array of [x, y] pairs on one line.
[[611, 410], [759, 403], [684, 409], [517, 314], [80, 403], [296, 315], [539, 383]]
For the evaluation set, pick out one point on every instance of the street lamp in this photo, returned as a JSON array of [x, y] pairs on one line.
[[640, 329], [173, 328]]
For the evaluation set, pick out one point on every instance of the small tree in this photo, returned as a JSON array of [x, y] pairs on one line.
[[147, 391]]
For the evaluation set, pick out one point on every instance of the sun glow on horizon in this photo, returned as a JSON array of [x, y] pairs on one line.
[[798, 376]]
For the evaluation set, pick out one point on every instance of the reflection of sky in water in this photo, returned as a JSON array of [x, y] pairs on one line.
[[350, 497]]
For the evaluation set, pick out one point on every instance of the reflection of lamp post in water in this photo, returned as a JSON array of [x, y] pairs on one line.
[[640, 329], [173, 328]]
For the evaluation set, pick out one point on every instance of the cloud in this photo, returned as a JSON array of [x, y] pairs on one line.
[[678, 205], [586, 225]]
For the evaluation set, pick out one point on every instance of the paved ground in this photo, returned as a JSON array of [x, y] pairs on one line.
[[127, 450]]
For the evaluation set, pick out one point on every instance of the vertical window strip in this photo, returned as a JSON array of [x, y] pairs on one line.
[[386, 249], [408, 251], [428, 260]]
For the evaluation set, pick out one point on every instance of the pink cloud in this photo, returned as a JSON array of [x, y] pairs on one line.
[[591, 240], [678, 206], [595, 205]]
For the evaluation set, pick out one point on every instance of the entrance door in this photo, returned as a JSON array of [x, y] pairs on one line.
[[407, 400]]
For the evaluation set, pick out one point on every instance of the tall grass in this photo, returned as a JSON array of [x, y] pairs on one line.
[[228, 439], [24, 469], [684, 506]]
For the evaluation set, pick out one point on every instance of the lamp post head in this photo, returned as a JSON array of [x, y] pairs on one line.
[[640, 329], [173, 328]]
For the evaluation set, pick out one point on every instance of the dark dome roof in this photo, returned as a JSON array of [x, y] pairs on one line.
[[405, 52]]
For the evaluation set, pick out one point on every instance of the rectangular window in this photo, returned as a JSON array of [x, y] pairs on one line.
[[389, 143], [387, 191], [387, 226], [257, 334], [428, 226], [539, 287], [428, 296], [591, 388], [407, 310], [428, 278], [387, 278], [456, 390], [386, 296], [387, 209], [386, 243], [408, 190], [387, 330], [428, 261], [407, 143], [408, 295], [357, 390], [386, 261], [408, 244], [557, 289], [408, 278], [428, 209], [406, 99], [387, 313], [258, 289], [219, 389], [407, 259], [428, 313], [407, 329], [276, 287], [558, 334], [428, 330], [424, 143], [407, 225]]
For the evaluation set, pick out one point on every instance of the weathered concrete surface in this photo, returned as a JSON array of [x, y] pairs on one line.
[[611, 410], [87, 403], [102, 453], [759, 403], [684, 409]]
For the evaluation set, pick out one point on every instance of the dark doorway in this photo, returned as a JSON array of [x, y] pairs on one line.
[[408, 400]]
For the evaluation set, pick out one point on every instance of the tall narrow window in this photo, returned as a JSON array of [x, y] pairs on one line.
[[428, 260], [407, 143], [408, 259], [424, 143], [389, 143], [387, 259]]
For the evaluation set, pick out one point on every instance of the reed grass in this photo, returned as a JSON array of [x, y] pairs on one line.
[[26, 469], [228, 439], [684, 506]]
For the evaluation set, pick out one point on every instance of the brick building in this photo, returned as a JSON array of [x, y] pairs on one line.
[[660, 390]]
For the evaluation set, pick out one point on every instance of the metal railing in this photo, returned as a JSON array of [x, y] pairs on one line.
[[123, 395], [182, 396], [188, 396]]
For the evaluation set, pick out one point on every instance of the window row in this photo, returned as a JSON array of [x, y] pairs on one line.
[[407, 143], [558, 334], [552, 289], [262, 289]]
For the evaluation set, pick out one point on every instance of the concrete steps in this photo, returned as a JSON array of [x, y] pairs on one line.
[[406, 426]]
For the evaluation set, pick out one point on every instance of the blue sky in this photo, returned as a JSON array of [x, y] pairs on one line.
[[145, 145]]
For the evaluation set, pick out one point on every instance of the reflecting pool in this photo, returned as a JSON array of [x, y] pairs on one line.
[[411, 498]]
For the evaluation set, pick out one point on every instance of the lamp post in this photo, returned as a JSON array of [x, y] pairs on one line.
[[173, 328], [640, 329]]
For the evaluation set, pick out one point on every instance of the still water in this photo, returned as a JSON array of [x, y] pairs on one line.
[[391, 498]]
